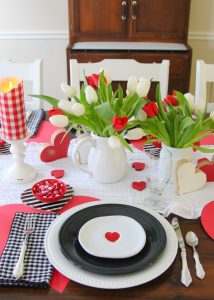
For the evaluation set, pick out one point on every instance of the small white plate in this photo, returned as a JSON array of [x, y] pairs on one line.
[[112, 237]]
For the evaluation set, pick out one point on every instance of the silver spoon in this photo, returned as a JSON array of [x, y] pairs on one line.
[[192, 241]]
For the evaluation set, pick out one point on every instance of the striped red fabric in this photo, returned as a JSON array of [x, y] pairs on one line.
[[12, 113]]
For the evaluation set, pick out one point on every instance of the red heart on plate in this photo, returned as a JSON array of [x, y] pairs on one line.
[[58, 148], [57, 173], [139, 185], [207, 219], [138, 166], [112, 236]]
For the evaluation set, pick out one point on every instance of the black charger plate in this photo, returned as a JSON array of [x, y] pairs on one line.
[[71, 248]]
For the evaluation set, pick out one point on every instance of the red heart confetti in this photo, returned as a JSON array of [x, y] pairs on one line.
[[112, 236], [57, 173], [139, 185], [207, 219], [138, 166]]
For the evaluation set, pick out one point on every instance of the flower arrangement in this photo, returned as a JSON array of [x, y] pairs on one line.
[[176, 121], [99, 109]]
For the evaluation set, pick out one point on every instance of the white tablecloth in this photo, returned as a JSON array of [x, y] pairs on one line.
[[188, 206]]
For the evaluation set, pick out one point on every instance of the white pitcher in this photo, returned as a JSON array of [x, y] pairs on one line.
[[107, 165]]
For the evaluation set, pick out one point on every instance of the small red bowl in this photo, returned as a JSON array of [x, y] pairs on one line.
[[49, 190]]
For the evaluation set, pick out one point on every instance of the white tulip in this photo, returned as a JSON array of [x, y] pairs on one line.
[[132, 84], [114, 142], [59, 120], [66, 106], [141, 115], [90, 94], [143, 87], [212, 115], [78, 109], [68, 90], [135, 134], [191, 100]]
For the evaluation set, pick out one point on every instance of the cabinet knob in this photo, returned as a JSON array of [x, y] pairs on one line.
[[124, 10], [134, 10]]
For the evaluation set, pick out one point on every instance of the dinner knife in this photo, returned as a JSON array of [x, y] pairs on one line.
[[186, 277]]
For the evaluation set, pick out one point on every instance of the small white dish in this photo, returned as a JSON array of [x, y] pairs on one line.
[[112, 237]]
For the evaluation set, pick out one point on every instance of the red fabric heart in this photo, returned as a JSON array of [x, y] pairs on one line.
[[112, 236], [57, 173], [207, 219], [58, 148], [139, 185], [138, 166], [207, 169]]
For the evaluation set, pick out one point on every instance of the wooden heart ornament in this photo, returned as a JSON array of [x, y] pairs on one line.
[[58, 148], [207, 219], [188, 177], [112, 236], [207, 166]]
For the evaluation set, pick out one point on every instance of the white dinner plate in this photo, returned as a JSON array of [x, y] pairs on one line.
[[75, 273], [112, 237]]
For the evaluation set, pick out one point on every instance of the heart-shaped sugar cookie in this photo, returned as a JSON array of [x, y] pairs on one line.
[[112, 236]]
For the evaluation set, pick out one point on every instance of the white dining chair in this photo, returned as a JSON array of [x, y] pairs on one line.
[[31, 74], [120, 70], [204, 74]]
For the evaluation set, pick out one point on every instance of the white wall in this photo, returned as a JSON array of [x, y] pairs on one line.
[[31, 29], [201, 37]]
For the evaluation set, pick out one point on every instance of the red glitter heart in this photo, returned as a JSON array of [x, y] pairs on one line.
[[112, 236]]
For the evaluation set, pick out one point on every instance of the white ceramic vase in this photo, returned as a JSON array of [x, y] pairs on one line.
[[105, 164], [177, 154]]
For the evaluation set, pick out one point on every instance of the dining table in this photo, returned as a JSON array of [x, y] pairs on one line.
[[166, 286]]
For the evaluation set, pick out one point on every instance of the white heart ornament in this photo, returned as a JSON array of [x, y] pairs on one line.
[[189, 179]]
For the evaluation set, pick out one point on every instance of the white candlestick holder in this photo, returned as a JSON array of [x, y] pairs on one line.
[[19, 172]]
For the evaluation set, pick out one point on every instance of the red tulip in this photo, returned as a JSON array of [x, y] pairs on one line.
[[93, 80], [151, 109], [171, 99], [119, 123]]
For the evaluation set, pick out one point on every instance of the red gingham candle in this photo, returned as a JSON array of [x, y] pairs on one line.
[[12, 108]]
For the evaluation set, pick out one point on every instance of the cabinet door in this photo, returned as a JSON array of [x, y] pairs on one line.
[[159, 20], [94, 20]]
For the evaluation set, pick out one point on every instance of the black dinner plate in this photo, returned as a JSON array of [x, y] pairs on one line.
[[71, 248]]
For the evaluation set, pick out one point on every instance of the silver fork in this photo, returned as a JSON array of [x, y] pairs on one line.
[[28, 229]]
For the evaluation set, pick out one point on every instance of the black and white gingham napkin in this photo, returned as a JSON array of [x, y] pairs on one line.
[[34, 121], [37, 270]]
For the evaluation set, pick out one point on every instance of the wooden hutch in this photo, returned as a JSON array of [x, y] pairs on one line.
[[144, 30]]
